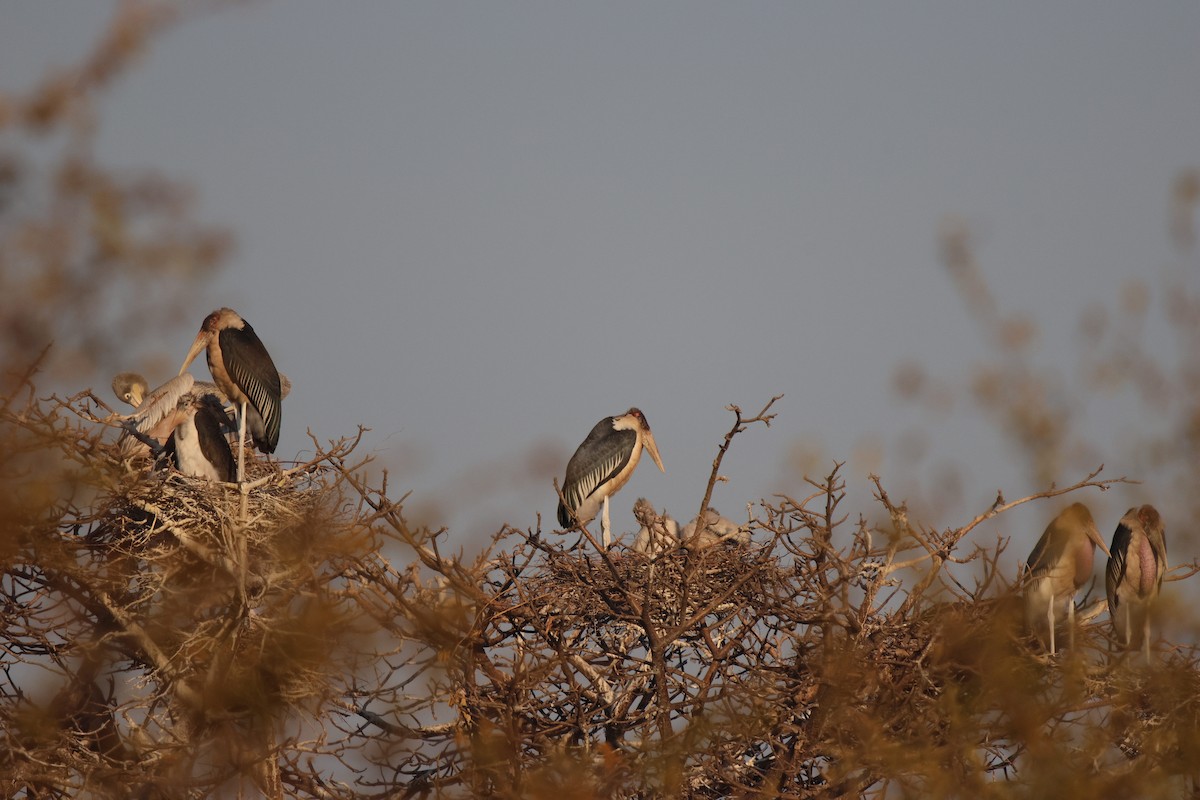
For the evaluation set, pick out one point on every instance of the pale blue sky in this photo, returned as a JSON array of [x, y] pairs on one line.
[[477, 228]]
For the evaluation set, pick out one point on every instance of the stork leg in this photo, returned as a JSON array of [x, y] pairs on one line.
[[241, 472], [1050, 621], [1071, 622], [1146, 636], [605, 536]]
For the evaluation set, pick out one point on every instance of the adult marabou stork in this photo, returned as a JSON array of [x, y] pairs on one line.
[[1134, 575], [244, 371], [198, 445], [602, 465], [1059, 566]]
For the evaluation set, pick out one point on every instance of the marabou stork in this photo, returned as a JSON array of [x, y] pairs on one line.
[[243, 369], [154, 418], [1134, 575], [602, 465], [184, 417], [659, 532], [130, 387], [716, 530], [1059, 566], [198, 446]]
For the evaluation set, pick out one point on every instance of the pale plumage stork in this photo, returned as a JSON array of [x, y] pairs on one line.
[[153, 418], [715, 530], [1135, 574], [659, 532], [130, 387], [185, 418], [1059, 566], [243, 368], [198, 446], [602, 465]]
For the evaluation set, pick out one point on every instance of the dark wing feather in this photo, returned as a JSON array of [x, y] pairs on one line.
[[1047, 551], [168, 452], [1114, 573], [603, 454], [213, 444], [250, 367]]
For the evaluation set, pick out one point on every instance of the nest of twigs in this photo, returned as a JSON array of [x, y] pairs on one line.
[[214, 574], [680, 584]]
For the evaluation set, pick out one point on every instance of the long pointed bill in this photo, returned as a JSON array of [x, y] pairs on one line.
[[198, 345], [1094, 535], [652, 449]]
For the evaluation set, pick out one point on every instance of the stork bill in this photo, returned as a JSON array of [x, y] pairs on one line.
[[1134, 575], [602, 465], [1059, 565]]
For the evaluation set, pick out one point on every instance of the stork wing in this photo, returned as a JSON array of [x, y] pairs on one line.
[[1114, 573], [160, 404], [250, 367], [210, 418], [1047, 551], [601, 456]]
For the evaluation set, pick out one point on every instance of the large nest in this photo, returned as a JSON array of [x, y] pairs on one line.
[[672, 587]]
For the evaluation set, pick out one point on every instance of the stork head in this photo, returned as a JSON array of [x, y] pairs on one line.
[[1149, 517], [1151, 521], [130, 387], [1078, 516], [634, 419], [213, 324]]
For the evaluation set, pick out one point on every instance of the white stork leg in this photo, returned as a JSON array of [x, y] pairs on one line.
[[1050, 621], [1071, 622], [242, 443], [605, 536]]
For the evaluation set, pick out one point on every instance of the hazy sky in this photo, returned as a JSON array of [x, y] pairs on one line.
[[479, 227]]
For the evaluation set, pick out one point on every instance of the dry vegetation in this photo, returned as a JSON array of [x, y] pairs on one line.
[[166, 637], [163, 641]]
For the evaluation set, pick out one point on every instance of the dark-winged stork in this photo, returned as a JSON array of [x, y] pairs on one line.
[[1059, 566], [243, 369], [1134, 575], [198, 446], [602, 465]]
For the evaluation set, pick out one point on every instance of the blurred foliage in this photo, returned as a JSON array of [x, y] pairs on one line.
[[167, 637], [90, 258]]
